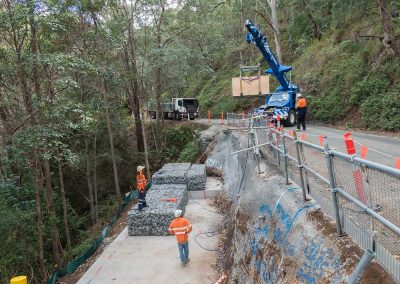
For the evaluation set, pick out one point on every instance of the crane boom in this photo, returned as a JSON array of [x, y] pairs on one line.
[[276, 68]]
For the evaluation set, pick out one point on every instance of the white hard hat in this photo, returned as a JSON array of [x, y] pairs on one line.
[[299, 95], [178, 213], [139, 168]]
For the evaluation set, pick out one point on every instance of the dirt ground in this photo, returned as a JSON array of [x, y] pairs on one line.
[[350, 252]]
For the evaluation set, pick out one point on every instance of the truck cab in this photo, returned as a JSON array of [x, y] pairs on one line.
[[186, 107], [282, 104]]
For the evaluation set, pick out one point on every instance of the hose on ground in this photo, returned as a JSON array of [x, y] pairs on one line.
[[208, 234]]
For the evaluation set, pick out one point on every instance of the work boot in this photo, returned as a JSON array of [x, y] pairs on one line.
[[183, 264], [187, 260]]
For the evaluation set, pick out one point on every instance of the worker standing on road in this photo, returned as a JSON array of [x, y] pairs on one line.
[[301, 109], [180, 227], [141, 182]]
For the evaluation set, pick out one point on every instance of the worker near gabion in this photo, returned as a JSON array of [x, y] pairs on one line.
[[141, 183], [180, 227], [301, 110]]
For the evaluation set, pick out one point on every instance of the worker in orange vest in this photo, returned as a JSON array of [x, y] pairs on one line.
[[180, 227], [301, 110], [141, 183]]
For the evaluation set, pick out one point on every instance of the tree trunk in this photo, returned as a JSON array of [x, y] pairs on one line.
[[133, 98], [96, 203], [317, 30], [157, 90], [64, 207], [146, 154], [387, 25], [275, 25], [57, 254], [53, 216], [89, 183], [111, 139], [38, 211], [157, 79]]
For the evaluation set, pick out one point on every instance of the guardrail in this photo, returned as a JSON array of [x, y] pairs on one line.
[[363, 197]]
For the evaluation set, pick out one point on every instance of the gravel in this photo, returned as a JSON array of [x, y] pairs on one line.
[[197, 177], [155, 219]]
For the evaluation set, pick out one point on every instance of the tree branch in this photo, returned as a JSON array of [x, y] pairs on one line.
[[266, 19]]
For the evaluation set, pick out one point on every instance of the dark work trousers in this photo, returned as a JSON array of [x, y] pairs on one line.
[[142, 199], [301, 118]]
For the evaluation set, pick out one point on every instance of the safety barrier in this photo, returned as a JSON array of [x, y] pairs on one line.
[[73, 265], [360, 195]]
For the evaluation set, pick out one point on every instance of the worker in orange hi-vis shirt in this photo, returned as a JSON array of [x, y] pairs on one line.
[[180, 227], [141, 182], [301, 110]]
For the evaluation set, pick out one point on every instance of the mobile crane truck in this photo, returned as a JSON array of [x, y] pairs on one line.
[[282, 102]]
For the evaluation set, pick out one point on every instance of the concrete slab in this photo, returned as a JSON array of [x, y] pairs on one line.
[[155, 259]]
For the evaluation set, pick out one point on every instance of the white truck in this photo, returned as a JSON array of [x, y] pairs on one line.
[[179, 108]]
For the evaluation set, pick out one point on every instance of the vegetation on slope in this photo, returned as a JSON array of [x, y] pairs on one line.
[[346, 72]]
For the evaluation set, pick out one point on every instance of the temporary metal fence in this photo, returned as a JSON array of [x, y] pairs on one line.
[[363, 197]]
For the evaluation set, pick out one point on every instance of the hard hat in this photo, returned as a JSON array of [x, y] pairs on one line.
[[139, 168], [299, 95], [178, 213]]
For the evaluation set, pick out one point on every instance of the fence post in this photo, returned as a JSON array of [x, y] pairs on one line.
[[285, 157], [332, 186], [357, 174], [209, 117], [300, 166], [365, 260], [222, 117]]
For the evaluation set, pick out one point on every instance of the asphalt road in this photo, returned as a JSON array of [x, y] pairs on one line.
[[381, 148]]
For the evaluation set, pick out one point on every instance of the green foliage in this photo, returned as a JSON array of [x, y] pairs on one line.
[[190, 153], [178, 138], [17, 213], [382, 111]]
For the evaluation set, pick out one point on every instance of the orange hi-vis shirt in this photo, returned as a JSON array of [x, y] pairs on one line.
[[141, 181], [301, 103], [180, 227]]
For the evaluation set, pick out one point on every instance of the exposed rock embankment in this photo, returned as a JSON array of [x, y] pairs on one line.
[[273, 236]]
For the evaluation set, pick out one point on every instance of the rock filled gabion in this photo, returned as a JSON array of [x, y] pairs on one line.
[[196, 177], [155, 219], [180, 167], [169, 176], [171, 181], [169, 186]]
